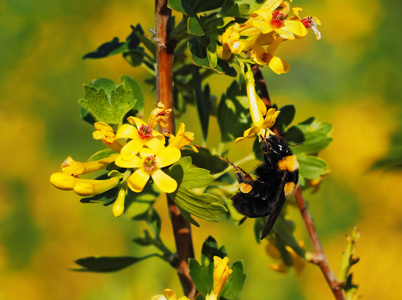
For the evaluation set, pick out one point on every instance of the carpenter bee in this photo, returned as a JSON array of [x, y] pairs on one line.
[[277, 178]]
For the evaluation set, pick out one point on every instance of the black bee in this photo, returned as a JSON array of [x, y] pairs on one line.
[[277, 178]]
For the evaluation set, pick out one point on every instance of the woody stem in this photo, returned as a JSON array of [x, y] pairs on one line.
[[164, 93]]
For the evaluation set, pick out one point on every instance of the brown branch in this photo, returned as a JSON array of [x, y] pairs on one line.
[[319, 258], [164, 93], [261, 85]]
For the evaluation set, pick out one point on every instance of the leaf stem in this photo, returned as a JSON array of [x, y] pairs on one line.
[[164, 92]]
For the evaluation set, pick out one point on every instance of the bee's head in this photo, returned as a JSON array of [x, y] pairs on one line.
[[277, 146]]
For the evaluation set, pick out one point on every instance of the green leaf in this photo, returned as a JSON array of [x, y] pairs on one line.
[[189, 178], [106, 103], [204, 159], [233, 115], [192, 7], [101, 154], [134, 57], [211, 54], [106, 198], [285, 118], [201, 205], [194, 26], [198, 49], [199, 53], [201, 275], [115, 47], [316, 136], [312, 167], [202, 100], [210, 249], [146, 41], [138, 205], [132, 85], [235, 282], [107, 263]]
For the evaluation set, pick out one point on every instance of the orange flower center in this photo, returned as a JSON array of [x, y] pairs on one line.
[[145, 131], [150, 163], [277, 19]]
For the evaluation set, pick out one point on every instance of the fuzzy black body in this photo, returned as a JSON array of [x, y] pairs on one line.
[[277, 178]]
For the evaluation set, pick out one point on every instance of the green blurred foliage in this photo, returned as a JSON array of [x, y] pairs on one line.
[[350, 79]]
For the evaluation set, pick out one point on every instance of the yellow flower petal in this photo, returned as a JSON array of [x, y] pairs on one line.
[[130, 150], [270, 118], [127, 131], [163, 181], [221, 273], [168, 156], [135, 162], [63, 181], [296, 27], [155, 145], [89, 187], [138, 180], [271, 5], [278, 65]]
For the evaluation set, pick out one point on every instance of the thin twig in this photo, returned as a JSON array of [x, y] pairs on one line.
[[319, 258], [164, 92]]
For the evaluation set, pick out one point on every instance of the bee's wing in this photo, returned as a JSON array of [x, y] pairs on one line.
[[277, 207]]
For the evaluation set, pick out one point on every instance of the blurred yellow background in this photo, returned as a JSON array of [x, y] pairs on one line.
[[351, 78]]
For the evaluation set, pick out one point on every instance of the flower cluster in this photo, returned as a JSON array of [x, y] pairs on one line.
[[266, 28], [139, 148]]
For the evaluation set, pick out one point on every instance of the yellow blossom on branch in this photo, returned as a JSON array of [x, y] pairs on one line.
[[159, 116], [142, 134], [83, 187], [221, 274], [266, 28], [75, 168], [257, 108], [105, 133], [182, 138], [149, 164]]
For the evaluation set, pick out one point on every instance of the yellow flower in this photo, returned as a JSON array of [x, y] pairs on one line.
[[308, 22], [83, 187], [149, 164], [105, 133], [265, 56], [159, 116], [171, 295], [257, 110], [221, 274], [75, 168], [141, 135], [182, 138]]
